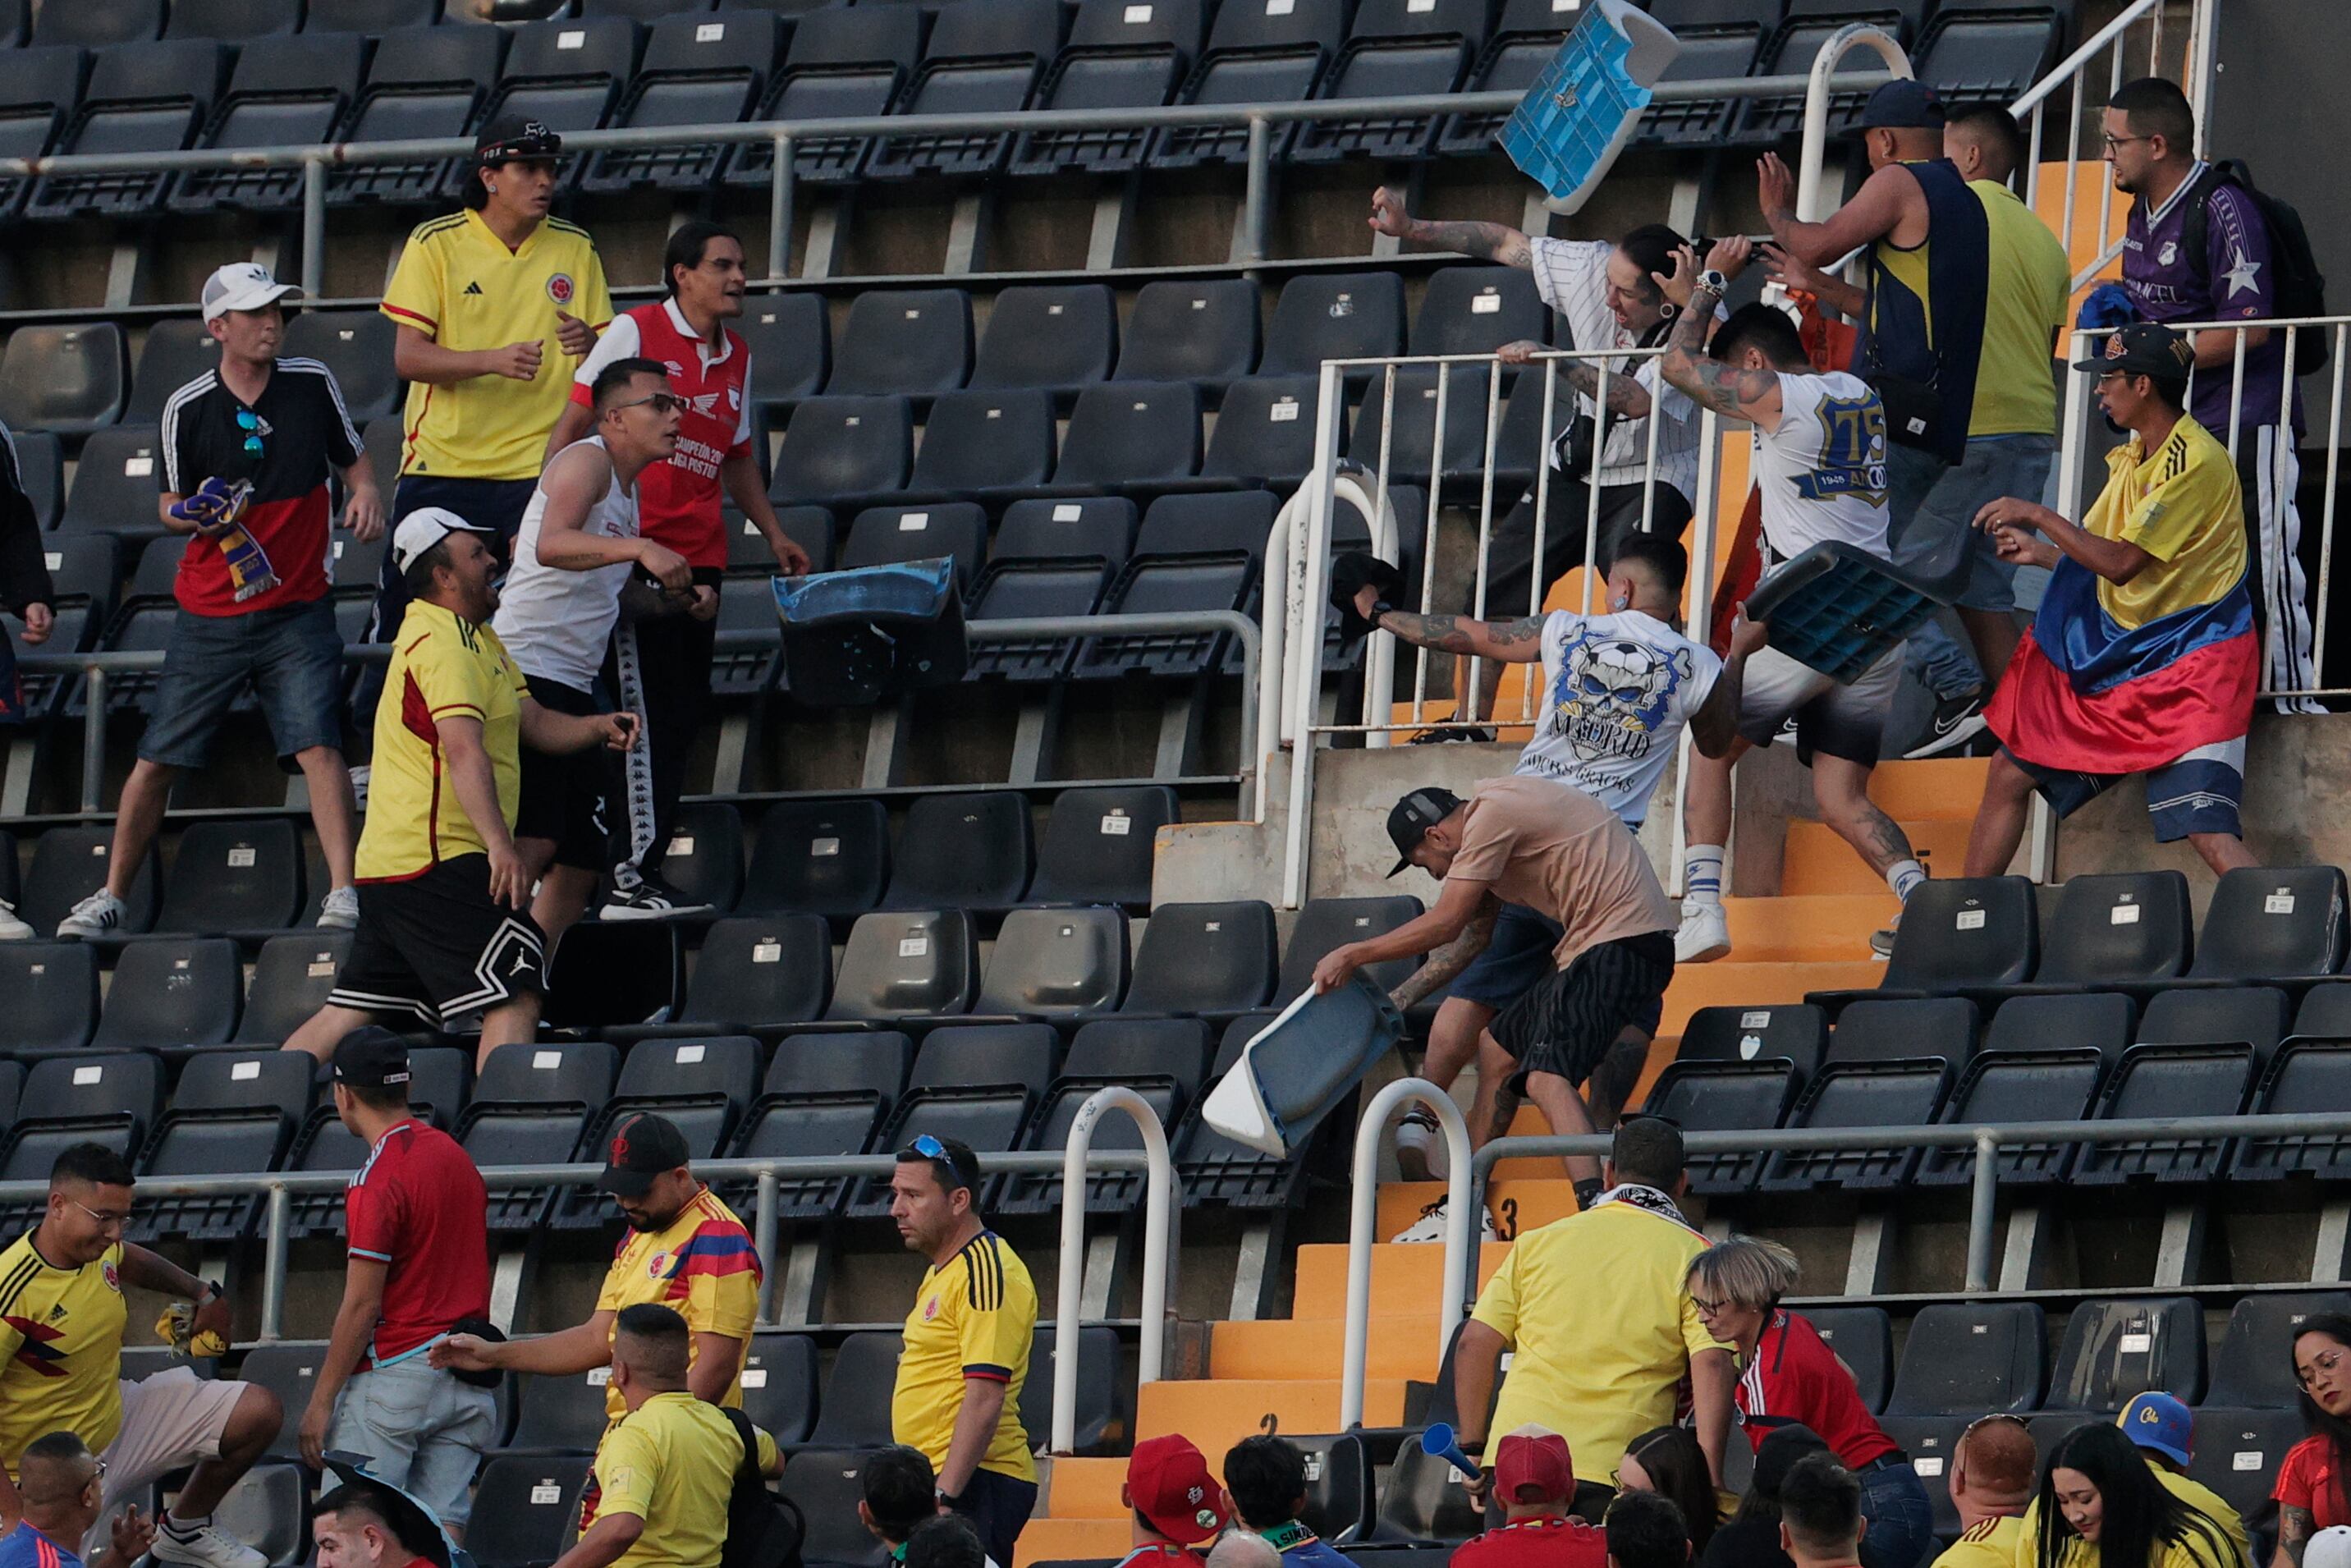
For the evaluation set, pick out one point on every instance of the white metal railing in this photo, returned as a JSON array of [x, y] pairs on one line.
[[2131, 44], [1158, 1232], [1364, 1215], [2300, 671]]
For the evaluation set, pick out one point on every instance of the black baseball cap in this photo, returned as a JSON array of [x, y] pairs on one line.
[[513, 138], [2145, 348], [371, 1057], [642, 1147], [1902, 104], [1412, 817]]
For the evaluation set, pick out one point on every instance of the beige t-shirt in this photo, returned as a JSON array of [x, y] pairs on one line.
[[1557, 850]]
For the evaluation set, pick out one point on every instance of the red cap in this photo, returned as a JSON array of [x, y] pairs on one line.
[[1167, 1481], [1534, 1467]]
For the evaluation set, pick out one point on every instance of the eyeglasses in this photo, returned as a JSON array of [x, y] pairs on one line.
[[255, 428], [1988, 1420], [2114, 141], [2325, 1361], [108, 1221], [662, 402], [1709, 1308]]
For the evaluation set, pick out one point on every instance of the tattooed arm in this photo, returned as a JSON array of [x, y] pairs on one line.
[[1505, 642], [1493, 242], [1627, 398], [1449, 960], [1740, 391], [2294, 1535]]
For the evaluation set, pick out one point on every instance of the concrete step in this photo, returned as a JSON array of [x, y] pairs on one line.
[[1825, 927], [1217, 1413], [1087, 1489], [1934, 789], [1074, 1540], [1285, 1350], [1405, 1280], [1817, 861]]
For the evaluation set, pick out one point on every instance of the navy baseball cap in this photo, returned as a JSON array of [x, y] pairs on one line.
[[513, 138], [2159, 1422], [2145, 348], [1902, 104], [371, 1057], [1411, 818]]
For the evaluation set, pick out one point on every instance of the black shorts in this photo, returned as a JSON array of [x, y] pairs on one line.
[[565, 798], [436, 946], [1565, 1024]]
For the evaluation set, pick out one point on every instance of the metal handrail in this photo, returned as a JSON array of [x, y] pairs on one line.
[[1158, 1217], [96, 664], [1459, 1285], [1363, 1213]]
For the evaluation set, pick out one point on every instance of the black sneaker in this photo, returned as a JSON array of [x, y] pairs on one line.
[[1451, 736], [1956, 721], [650, 899]]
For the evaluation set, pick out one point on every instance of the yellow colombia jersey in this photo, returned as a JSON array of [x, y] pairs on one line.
[[459, 284], [1987, 1543], [702, 1265], [60, 1349], [672, 1463], [1598, 1366], [2183, 506], [442, 664], [2196, 1551], [972, 1318]]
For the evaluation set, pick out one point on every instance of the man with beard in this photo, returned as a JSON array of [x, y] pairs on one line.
[[443, 922], [957, 1397], [685, 1250]]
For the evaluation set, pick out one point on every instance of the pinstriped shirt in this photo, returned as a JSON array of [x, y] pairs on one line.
[[1571, 276]]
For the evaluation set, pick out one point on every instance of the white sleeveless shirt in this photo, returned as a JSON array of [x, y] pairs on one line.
[[556, 622], [1823, 471]]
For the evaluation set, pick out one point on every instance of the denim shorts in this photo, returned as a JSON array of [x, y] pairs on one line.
[[422, 1430], [292, 656], [1516, 959], [1933, 500]]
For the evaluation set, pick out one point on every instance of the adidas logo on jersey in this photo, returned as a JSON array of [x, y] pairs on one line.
[[474, 289]]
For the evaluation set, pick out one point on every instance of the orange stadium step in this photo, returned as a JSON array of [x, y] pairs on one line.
[[1086, 1489], [1288, 1350], [1730, 983], [1058, 1539], [1524, 1193], [1935, 789], [1404, 1280], [1817, 861], [1829, 928], [2091, 195], [1219, 1413]]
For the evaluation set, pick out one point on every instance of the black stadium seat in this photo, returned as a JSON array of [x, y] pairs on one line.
[[843, 448], [2273, 924], [526, 1510], [791, 340], [291, 978], [1792, 49], [907, 964], [614, 972], [1057, 963], [1798, 1035], [561, 1414], [843, 62], [704, 856], [2118, 927], [916, 343], [1973, 933], [1102, 1402], [1119, 56], [69, 865], [424, 82], [1718, 38], [1477, 309], [48, 995], [1163, 1059], [2250, 1015], [355, 345], [779, 1384], [984, 57], [1130, 438], [1327, 922], [1216, 959], [231, 1111], [235, 20], [1265, 432], [984, 446], [531, 1106], [39, 90], [285, 91], [2118, 1348], [1055, 338], [116, 485], [1396, 47], [1969, 1357], [566, 75], [825, 1484], [234, 877], [2306, 1076], [1863, 1338], [699, 69], [828, 857], [1725, 1096], [1193, 552], [2043, 1058], [373, 17], [65, 380], [1216, 1172], [819, 1100], [1400, 442], [954, 530], [1988, 51], [141, 98], [96, 26], [1098, 845], [175, 353], [2164, 1081], [172, 991], [1260, 51], [963, 851], [109, 1098], [1202, 330], [1333, 316], [2237, 1455], [760, 972]]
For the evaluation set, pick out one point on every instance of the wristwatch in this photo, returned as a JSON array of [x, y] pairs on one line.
[[941, 1496], [1713, 282]]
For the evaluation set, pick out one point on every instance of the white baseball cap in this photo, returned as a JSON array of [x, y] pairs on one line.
[[2330, 1548], [242, 285], [422, 529]]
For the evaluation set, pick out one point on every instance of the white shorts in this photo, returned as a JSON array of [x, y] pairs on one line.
[[1845, 721], [169, 1421]]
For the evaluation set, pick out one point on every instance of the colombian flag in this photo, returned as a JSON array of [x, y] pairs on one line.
[[2086, 693]]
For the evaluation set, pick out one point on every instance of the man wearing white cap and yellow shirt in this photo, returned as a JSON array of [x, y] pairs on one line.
[[445, 927], [247, 451]]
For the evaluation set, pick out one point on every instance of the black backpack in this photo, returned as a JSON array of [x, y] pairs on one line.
[[2299, 290], [764, 1530]]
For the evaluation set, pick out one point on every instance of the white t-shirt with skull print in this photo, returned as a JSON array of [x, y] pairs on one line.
[[1617, 691]]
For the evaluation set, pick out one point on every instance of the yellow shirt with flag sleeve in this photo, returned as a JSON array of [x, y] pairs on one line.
[[1599, 1366], [972, 1318], [1987, 1543], [2182, 504], [60, 1349], [702, 1266], [441, 665], [672, 1463], [459, 284]]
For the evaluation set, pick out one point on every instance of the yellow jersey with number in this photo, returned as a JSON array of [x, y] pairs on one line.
[[60, 1349]]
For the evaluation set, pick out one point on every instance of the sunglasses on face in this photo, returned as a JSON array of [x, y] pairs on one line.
[[661, 403]]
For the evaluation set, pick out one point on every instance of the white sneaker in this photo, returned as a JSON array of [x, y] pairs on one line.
[[1705, 935], [96, 915], [13, 929], [1420, 1150], [211, 1547], [1430, 1226], [340, 908], [360, 773]]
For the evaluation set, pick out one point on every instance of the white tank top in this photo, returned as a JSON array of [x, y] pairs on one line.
[[1823, 471], [556, 622]]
